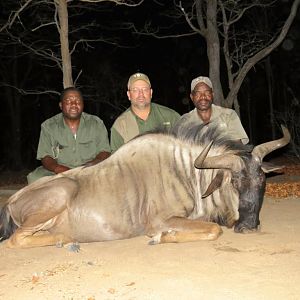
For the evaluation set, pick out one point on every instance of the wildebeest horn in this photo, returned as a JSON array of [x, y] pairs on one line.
[[215, 184], [199, 160], [225, 161], [260, 151]]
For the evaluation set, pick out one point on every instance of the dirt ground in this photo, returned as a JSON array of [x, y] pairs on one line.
[[261, 266]]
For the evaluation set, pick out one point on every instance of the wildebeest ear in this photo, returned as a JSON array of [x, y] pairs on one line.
[[215, 184], [269, 167]]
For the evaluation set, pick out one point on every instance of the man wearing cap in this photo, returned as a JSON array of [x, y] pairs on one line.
[[142, 115], [206, 112]]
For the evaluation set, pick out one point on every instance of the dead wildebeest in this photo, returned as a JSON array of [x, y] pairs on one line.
[[172, 188]]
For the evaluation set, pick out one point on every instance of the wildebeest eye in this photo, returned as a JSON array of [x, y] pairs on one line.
[[239, 182]]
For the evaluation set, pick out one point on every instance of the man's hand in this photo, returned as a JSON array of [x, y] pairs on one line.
[[100, 157], [60, 169], [50, 164]]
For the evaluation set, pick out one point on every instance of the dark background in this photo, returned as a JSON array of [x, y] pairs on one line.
[[30, 86]]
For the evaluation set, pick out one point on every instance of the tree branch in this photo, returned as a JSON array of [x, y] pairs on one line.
[[264, 52], [15, 15], [118, 2]]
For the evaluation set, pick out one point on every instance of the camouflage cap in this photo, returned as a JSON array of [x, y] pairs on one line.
[[138, 76], [203, 79]]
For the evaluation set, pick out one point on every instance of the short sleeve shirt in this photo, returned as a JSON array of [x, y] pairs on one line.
[[226, 120], [159, 117], [58, 141]]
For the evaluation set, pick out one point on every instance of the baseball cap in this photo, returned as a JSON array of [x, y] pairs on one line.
[[138, 76], [198, 79]]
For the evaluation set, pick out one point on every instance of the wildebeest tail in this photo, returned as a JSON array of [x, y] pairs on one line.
[[7, 225]]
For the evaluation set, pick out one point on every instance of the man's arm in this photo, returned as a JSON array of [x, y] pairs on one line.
[[102, 143], [116, 140], [45, 152], [101, 156], [236, 129], [51, 164], [175, 118]]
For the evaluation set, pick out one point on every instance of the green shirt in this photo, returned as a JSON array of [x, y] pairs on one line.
[[128, 125], [226, 119], [58, 141]]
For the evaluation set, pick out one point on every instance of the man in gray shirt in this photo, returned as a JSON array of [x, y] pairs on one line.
[[206, 112]]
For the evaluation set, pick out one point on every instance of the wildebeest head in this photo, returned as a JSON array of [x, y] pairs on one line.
[[247, 177]]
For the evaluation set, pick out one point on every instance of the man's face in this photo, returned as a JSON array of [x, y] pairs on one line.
[[140, 94], [202, 96], [72, 105]]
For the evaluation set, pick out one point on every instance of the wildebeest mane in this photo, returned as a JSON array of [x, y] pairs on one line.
[[203, 134]]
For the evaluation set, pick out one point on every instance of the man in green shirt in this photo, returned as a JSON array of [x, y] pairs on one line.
[[206, 112], [70, 139], [142, 115]]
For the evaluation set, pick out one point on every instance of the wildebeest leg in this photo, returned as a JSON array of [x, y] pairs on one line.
[[184, 230], [42, 214], [28, 238]]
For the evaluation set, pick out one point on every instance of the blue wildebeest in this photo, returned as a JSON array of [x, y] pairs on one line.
[[171, 188]]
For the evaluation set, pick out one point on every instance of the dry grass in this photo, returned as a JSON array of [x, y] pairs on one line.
[[287, 183]]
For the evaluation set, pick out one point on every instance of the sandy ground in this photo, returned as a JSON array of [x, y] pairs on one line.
[[264, 265]]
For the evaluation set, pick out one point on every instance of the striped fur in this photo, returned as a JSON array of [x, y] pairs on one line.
[[146, 182]]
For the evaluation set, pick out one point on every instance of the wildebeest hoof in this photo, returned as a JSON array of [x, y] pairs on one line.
[[244, 229], [73, 247], [155, 239], [59, 245]]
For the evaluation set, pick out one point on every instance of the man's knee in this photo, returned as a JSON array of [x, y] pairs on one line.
[[31, 177], [37, 174]]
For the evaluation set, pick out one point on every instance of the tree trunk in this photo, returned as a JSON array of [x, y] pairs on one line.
[[213, 51], [269, 75], [62, 8]]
